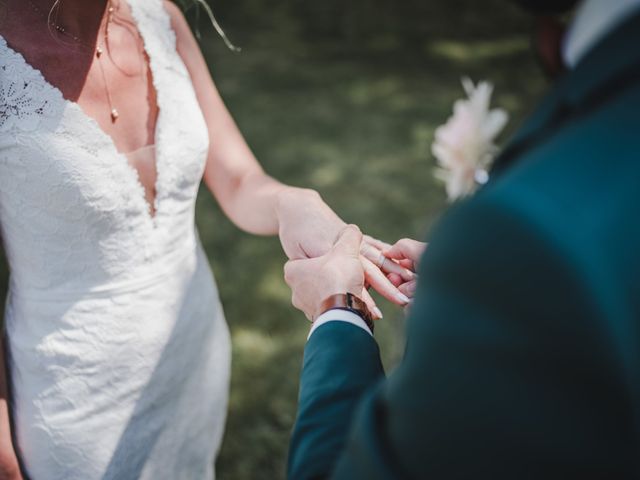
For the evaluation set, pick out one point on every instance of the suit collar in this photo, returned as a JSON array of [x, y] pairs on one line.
[[614, 62]]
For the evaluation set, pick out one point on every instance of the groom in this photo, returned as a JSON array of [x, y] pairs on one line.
[[523, 352]]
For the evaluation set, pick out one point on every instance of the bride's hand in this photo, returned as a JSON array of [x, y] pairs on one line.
[[406, 253], [308, 228], [385, 275]]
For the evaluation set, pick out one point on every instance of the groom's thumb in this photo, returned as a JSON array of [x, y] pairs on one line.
[[349, 241]]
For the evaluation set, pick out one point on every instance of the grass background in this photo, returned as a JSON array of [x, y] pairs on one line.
[[342, 97]]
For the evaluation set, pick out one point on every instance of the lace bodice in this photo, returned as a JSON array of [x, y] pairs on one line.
[[73, 211], [118, 349]]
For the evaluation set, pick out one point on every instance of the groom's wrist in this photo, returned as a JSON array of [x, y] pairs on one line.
[[343, 316], [346, 302]]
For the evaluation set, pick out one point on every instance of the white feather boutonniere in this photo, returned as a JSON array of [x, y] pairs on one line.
[[464, 147]]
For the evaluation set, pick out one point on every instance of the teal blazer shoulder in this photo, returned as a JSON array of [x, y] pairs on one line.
[[523, 351]]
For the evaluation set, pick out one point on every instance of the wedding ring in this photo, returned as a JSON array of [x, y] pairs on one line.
[[381, 260]]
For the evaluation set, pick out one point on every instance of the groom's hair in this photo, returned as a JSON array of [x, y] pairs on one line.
[[548, 6]]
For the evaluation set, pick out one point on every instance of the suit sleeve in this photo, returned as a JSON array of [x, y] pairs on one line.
[[507, 374], [341, 361]]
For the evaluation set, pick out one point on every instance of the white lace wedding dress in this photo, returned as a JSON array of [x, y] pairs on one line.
[[118, 349]]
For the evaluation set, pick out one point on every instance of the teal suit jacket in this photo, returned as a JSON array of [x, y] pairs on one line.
[[523, 350]]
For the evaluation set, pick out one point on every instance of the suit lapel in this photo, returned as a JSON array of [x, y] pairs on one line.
[[607, 71]]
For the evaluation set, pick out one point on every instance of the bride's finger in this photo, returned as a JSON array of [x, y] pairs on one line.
[[371, 305], [395, 279], [389, 266], [408, 264], [381, 283], [368, 250], [409, 288], [374, 242], [375, 256]]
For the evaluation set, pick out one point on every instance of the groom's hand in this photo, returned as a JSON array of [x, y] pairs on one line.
[[338, 271], [407, 253]]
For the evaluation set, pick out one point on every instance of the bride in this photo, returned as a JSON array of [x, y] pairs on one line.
[[116, 344]]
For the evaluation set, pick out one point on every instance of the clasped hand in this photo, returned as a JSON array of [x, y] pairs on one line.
[[308, 230], [343, 269]]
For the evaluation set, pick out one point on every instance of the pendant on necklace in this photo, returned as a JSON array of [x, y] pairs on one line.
[[114, 112]]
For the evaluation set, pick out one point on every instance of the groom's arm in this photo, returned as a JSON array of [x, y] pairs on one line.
[[509, 371], [505, 373], [341, 361]]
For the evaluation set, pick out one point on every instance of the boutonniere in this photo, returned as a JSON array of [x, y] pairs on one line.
[[464, 147]]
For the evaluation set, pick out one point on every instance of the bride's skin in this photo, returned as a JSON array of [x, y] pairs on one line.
[[253, 200]]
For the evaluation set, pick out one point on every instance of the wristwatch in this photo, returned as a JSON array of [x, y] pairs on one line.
[[350, 303]]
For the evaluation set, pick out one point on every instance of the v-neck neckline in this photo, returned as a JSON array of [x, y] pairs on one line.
[[151, 211]]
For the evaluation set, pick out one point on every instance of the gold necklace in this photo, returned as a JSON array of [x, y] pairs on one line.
[[99, 50]]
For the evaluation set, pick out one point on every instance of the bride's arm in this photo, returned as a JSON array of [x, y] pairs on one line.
[[9, 469], [253, 200], [246, 193]]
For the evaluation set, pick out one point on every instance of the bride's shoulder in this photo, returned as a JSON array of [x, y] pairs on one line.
[[178, 22], [172, 8], [184, 36], [186, 43]]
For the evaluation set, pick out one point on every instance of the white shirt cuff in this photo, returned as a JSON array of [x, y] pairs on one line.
[[337, 315]]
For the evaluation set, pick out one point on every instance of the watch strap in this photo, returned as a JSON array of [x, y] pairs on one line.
[[348, 302]]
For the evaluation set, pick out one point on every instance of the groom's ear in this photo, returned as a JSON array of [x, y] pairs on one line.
[[547, 6]]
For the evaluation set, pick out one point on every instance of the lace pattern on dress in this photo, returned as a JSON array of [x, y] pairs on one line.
[[25, 99], [119, 349], [66, 187]]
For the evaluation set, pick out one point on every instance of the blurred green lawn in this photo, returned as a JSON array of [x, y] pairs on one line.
[[342, 97]]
